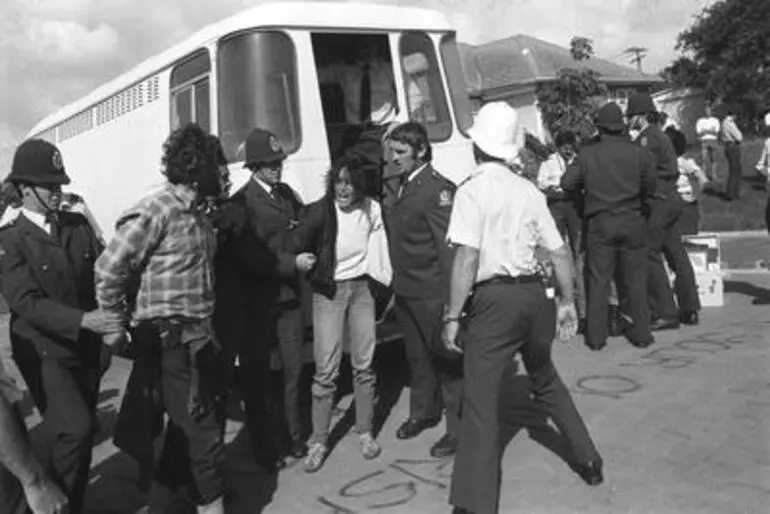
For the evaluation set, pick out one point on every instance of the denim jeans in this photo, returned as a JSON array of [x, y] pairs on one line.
[[353, 308]]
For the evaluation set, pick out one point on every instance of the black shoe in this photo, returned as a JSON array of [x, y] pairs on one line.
[[271, 464], [411, 428], [591, 472], [642, 344], [597, 347], [444, 447], [689, 317], [297, 450], [664, 324]]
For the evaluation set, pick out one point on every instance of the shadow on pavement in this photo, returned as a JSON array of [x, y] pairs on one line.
[[760, 295]]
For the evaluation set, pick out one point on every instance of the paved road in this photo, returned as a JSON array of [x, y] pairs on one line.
[[683, 428]]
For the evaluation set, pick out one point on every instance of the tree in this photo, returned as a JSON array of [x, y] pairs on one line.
[[571, 102], [637, 53], [727, 53]]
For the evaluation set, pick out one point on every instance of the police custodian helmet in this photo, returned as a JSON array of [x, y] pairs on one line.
[[38, 163], [640, 103], [262, 147]]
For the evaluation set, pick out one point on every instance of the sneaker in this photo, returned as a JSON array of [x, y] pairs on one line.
[[369, 447], [316, 455]]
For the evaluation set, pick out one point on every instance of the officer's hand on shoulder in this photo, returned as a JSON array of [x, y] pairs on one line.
[[103, 322]]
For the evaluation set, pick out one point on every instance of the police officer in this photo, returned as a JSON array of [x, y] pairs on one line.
[[498, 220], [617, 179], [273, 300], [47, 279], [665, 211], [416, 221]]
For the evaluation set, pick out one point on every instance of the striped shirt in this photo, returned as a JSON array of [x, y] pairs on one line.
[[170, 245]]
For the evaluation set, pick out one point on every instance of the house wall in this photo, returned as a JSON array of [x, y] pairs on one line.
[[524, 100], [684, 107]]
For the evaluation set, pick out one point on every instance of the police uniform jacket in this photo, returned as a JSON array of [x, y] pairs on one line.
[[48, 285], [270, 232], [614, 174], [667, 170], [417, 223]]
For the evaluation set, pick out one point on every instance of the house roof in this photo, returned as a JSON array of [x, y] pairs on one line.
[[524, 59]]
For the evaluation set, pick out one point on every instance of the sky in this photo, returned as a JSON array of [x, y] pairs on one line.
[[55, 51]]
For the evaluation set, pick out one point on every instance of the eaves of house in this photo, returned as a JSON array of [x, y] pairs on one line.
[[521, 61]]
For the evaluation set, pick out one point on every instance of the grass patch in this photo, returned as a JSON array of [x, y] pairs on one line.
[[746, 213]]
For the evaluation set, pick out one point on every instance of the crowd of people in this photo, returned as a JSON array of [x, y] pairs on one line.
[[195, 278]]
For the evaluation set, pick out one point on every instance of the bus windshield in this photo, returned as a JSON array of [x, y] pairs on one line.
[[257, 88]]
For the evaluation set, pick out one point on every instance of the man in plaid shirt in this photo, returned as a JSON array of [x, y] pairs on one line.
[[163, 254]]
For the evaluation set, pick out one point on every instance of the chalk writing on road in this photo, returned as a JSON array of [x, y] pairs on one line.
[[395, 485], [680, 354]]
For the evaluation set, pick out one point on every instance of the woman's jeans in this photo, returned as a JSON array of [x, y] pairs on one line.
[[352, 308]]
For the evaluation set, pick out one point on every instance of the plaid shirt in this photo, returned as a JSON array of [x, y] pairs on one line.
[[169, 246]]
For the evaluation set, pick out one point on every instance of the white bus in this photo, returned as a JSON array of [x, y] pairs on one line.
[[261, 68]]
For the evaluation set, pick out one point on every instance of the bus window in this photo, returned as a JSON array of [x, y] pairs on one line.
[[456, 80], [190, 92], [424, 87], [257, 88], [348, 65]]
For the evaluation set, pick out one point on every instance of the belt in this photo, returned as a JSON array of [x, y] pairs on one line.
[[507, 279]]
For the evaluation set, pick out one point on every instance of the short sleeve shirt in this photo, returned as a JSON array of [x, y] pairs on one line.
[[506, 218]]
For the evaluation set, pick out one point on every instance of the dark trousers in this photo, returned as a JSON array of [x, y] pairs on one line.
[[504, 319], [12, 499], [616, 246], [689, 221], [268, 429], [192, 460], [733, 155], [666, 242], [66, 391], [435, 376], [568, 222]]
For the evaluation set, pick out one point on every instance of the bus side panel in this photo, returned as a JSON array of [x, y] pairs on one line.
[[113, 165]]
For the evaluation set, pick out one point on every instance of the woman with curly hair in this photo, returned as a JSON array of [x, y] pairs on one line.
[[345, 230]]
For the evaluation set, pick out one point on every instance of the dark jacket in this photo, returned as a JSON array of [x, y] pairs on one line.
[[417, 224], [48, 286], [613, 174], [666, 167], [271, 233]]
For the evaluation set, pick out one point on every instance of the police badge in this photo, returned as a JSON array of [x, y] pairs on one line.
[[274, 144], [445, 198], [56, 160]]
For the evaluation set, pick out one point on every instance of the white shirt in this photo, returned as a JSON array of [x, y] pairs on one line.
[[383, 90], [38, 219], [767, 119], [691, 179], [707, 129], [506, 218], [551, 171], [353, 231], [730, 131]]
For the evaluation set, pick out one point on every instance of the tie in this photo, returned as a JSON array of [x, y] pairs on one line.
[[53, 225], [402, 182], [365, 98]]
